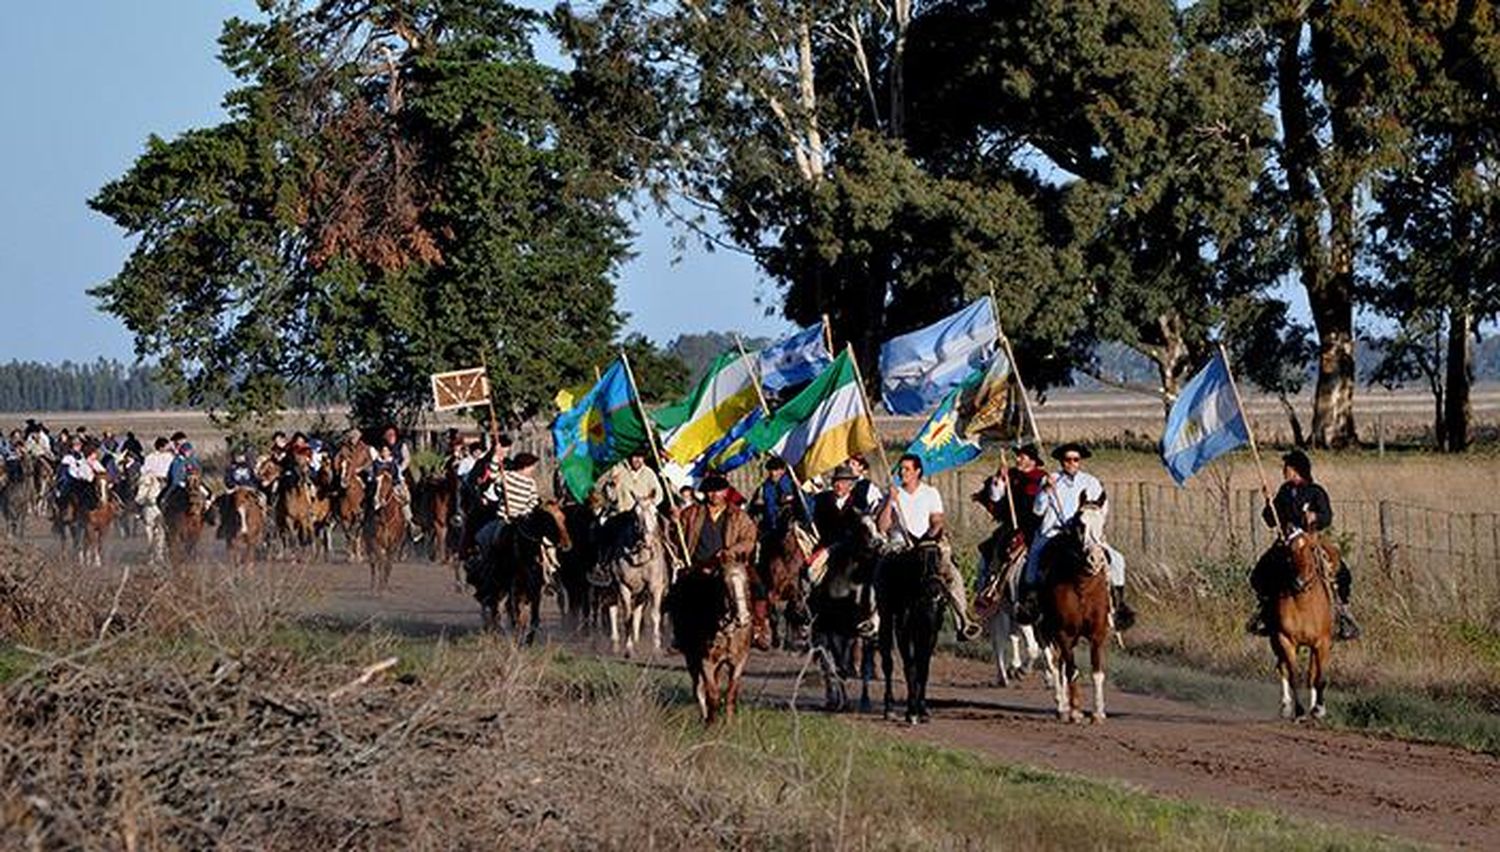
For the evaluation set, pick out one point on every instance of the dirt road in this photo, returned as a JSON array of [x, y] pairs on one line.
[[1427, 793]]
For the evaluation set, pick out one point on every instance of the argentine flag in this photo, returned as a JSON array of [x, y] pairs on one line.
[[1206, 422]]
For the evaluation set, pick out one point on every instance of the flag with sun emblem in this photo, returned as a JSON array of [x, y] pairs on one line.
[[601, 428], [940, 444], [1206, 422]]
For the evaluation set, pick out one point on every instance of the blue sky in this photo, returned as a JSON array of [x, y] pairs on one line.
[[86, 81]]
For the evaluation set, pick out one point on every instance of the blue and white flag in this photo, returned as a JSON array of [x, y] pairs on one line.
[[919, 368], [1206, 422], [794, 360]]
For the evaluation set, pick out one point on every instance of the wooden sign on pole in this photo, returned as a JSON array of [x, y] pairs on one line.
[[460, 389]]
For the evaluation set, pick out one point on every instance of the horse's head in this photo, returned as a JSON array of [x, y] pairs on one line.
[[1088, 526], [558, 523], [383, 489]]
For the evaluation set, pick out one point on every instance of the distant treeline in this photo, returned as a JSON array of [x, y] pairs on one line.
[[103, 385]]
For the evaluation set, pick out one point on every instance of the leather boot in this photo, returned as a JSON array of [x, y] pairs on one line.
[[1124, 615], [966, 624]]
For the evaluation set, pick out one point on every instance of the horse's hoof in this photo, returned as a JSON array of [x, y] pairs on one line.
[[924, 717], [912, 720], [1063, 715], [1097, 717], [865, 706], [1287, 712], [1319, 712], [890, 715], [1075, 717]]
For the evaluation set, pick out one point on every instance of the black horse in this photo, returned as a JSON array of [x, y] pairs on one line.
[[515, 565], [909, 594], [836, 613], [577, 593]]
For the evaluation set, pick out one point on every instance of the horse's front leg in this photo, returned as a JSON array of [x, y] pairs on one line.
[[886, 667], [1317, 693], [1286, 667], [1057, 668], [1097, 647]]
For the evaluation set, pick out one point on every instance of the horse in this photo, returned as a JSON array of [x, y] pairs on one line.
[[146, 493], [575, 593], [384, 528], [42, 472], [515, 563], [909, 594], [294, 507], [15, 496], [1302, 617], [1075, 605], [634, 565], [835, 614], [244, 525], [711, 641], [87, 523], [183, 515], [783, 613], [433, 501], [348, 492], [996, 607]]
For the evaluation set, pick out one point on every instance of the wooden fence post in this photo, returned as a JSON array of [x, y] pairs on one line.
[[1387, 545], [1140, 499]]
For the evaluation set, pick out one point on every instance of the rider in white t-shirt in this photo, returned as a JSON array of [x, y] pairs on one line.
[[915, 510]]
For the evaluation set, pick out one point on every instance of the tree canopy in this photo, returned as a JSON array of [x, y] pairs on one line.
[[399, 189]]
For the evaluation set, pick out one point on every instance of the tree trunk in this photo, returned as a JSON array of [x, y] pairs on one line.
[[1460, 375], [1333, 402]]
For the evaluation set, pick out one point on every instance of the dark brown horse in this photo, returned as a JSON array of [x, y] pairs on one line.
[[910, 599], [91, 523], [295, 510], [15, 496], [1302, 617], [433, 501], [1075, 605], [182, 515], [384, 529], [517, 567], [714, 646]]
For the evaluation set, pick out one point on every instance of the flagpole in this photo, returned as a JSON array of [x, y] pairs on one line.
[[495, 437], [885, 460], [766, 409], [635, 392], [828, 335], [1265, 484], [1036, 434]]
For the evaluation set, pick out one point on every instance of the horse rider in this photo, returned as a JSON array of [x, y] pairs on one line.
[[866, 493], [776, 492], [915, 510], [184, 463], [1009, 496], [632, 483], [240, 473], [80, 467], [158, 463], [1302, 506], [38, 441], [131, 446], [521, 495], [839, 517], [720, 538], [1056, 506]]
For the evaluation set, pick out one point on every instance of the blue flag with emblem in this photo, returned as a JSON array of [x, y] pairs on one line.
[[602, 427], [794, 360], [939, 443], [918, 368], [1206, 422]]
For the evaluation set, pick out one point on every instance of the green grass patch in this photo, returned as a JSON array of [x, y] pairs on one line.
[[1384, 711]]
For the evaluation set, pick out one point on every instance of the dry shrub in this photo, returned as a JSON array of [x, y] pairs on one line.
[[475, 751]]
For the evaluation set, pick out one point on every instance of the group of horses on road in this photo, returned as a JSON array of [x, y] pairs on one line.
[[626, 571]]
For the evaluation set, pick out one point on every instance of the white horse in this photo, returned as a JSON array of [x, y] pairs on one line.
[[996, 605], [146, 493], [641, 576]]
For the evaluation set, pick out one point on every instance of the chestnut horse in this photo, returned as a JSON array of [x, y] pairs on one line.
[[182, 515], [433, 501], [1302, 617], [348, 492], [294, 511], [89, 525], [782, 612], [714, 646], [1075, 605], [384, 528], [244, 525]]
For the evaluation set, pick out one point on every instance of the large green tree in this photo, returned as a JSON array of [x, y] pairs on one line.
[[398, 189], [1436, 234]]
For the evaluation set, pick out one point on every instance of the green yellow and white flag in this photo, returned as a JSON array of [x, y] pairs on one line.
[[822, 426], [722, 399]]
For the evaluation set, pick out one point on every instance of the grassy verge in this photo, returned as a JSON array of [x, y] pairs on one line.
[[876, 789]]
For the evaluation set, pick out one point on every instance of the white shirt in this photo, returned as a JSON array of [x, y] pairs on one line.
[[916, 508], [78, 468], [1069, 490], [464, 465], [158, 463]]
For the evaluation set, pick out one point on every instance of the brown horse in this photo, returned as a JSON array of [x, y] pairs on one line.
[[295, 495], [714, 646], [15, 496], [384, 528], [244, 525], [182, 515], [1075, 605], [781, 616], [1302, 617], [348, 493], [433, 500], [91, 525]]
